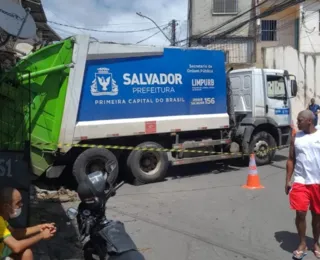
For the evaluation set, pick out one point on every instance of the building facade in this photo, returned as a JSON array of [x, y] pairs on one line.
[[279, 29], [310, 27], [243, 28], [211, 19]]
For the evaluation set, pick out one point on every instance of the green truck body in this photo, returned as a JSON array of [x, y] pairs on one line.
[[34, 103]]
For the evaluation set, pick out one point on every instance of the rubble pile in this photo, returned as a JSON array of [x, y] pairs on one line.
[[62, 195]]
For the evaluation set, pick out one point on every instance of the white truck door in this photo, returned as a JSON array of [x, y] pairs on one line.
[[277, 104]]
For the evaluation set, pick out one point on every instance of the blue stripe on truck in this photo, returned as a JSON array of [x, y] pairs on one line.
[[281, 111]]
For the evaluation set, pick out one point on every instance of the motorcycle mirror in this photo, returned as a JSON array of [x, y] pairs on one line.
[[72, 213]]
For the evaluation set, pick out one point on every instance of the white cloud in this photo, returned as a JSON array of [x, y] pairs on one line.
[[120, 15]]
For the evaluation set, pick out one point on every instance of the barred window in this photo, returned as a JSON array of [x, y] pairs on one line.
[[268, 30], [225, 6]]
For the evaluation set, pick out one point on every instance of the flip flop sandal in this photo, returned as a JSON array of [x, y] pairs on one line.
[[298, 255], [316, 254]]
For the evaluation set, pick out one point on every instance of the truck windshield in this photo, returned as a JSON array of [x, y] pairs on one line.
[[276, 87]]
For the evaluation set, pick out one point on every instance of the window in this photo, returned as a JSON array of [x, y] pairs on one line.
[[268, 30], [276, 87], [225, 6]]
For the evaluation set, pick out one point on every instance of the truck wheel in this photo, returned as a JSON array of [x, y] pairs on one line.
[[148, 166], [96, 159], [263, 146]]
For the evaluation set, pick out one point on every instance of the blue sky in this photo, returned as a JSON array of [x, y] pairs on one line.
[[120, 15]]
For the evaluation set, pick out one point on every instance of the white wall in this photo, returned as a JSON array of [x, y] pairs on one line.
[[305, 67], [309, 27]]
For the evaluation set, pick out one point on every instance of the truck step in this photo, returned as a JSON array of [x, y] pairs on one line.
[[175, 162], [202, 143]]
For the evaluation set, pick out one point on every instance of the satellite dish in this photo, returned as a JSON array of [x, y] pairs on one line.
[[16, 21]]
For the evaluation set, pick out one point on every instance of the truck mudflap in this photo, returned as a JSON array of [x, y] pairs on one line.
[[243, 135]]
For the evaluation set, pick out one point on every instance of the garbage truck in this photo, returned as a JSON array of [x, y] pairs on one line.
[[100, 106]]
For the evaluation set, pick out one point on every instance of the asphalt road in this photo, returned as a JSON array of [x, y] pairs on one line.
[[209, 216]]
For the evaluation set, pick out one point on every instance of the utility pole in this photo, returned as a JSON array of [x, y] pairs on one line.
[[173, 32], [143, 16]]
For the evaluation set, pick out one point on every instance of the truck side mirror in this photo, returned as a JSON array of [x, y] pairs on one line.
[[294, 88]]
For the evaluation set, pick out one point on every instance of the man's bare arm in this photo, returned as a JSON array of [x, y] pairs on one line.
[[18, 246], [291, 160], [20, 233]]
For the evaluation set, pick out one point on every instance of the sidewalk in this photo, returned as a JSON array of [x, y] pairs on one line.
[[65, 244]]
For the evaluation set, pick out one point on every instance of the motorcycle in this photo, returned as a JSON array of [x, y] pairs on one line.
[[101, 238]]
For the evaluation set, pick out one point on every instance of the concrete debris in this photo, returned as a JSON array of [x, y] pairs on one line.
[[62, 195]]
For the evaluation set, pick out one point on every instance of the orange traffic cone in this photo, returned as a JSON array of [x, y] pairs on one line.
[[253, 180]]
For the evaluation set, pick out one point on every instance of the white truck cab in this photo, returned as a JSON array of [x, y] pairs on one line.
[[262, 107]]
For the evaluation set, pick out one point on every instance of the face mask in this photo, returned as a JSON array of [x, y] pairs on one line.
[[16, 213]]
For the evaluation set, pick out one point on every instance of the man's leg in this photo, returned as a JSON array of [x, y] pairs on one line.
[[25, 255], [299, 201], [301, 225], [315, 210], [316, 230]]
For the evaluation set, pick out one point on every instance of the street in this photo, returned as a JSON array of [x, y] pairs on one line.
[[140, 91], [208, 216]]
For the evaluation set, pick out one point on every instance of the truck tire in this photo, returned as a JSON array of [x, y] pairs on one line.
[[96, 159], [148, 166], [263, 146]]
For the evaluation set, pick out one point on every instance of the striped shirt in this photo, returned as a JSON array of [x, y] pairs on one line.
[[4, 233]]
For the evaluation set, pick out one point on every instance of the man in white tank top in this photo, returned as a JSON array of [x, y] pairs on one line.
[[303, 166]]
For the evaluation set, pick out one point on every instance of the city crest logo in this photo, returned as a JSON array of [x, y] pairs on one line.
[[104, 84]]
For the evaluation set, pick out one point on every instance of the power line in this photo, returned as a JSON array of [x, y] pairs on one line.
[[145, 39], [68, 33], [120, 24], [151, 20], [209, 31], [228, 21], [288, 15], [238, 32], [61, 18], [283, 18], [271, 10], [303, 21], [152, 35], [105, 31], [275, 9]]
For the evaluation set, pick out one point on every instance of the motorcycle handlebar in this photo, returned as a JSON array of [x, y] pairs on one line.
[[111, 192]]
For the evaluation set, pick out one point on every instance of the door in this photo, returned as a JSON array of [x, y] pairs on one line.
[[241, 84], [277, 105]]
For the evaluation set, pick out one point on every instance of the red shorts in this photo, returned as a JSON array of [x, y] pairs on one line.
[[302, 197]]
